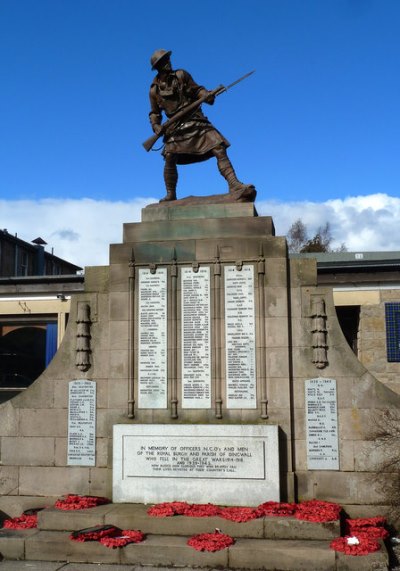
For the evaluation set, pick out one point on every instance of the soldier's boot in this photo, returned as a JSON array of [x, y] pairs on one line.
[[226, 169], [171, 180]]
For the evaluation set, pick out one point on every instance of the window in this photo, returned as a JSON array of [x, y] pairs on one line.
[[349, 320], [26, 348], [392, 317]]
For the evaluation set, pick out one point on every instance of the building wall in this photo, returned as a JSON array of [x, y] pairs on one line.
[[372, 334]]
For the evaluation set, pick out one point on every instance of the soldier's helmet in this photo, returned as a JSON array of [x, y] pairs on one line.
[[157, 56]]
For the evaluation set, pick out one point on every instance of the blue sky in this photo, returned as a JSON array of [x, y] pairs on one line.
[[316, 128]]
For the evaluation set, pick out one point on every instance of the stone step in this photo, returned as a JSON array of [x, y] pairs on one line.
[[134, 516], [173, 551]]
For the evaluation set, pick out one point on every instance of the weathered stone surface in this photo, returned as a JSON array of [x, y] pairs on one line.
[[57, 546], [8, 480], [12, 542], [39, 566], [35, 481], [9, 420], [197, 229], [292, 528], [377, 560], [13, 506], [173, 211], [52, 519], [171, 551], [34, 451], [282, 555], [43, 422], [96, 278]]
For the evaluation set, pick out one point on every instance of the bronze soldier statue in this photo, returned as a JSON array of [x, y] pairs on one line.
[[193, 138]]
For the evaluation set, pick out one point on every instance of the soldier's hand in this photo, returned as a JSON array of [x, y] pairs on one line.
[[157, 128], [210, 99]]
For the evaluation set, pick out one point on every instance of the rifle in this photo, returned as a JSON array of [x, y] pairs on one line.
[[188, 109]]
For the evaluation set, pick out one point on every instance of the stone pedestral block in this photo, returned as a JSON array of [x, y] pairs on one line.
[[196, 463]]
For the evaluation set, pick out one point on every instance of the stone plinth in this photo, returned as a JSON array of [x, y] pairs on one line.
[[154, 463]]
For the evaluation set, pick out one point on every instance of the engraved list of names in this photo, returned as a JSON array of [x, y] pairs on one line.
[[240, 337], [196, 351], [82, 423], [152, 354], [322, 424]]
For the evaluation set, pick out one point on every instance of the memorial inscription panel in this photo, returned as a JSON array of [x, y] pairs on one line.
[[322, 424], [152, 335], [196, 350], [154, 463], [240, 337], [82, 423]]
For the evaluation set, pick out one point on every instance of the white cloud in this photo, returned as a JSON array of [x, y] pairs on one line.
[[81, 231], [363, 223]]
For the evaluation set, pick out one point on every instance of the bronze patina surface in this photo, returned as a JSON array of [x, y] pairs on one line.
[[192, 138]]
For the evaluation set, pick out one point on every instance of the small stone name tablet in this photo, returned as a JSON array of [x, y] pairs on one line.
[[82, 423], [228, 465], [322, 424]]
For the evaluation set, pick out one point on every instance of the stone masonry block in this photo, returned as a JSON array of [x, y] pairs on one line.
[[27, 451], [276, 332], [282, 555], [39, 394], [197, 229], [292, 528], [8, 480], [43, 422], [278, 392], [303, 272], [96, 278], [276, 303], [277, 360], [57, 546], [100, 482], [9, 420], [13, 506], [171, 551], [12, 542], [134, 516], [53, 481], [119, 277], [118, 364], [354, 423], [119, 335], [118, 393], [52, 519], [119, 302]]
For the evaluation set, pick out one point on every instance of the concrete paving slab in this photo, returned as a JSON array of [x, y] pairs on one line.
[[33, 566]]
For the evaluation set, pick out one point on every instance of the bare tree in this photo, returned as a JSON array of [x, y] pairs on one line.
[[299, 242], [297, 236]]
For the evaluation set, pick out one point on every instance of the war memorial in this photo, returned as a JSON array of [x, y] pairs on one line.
[[202, 365]]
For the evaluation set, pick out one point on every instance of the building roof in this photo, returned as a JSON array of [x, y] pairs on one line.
[[354, 261]]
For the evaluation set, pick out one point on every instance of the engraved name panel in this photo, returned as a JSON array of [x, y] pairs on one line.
[[240, 337], [196, 350], [152, 334], [82, 423], [322, 424]]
